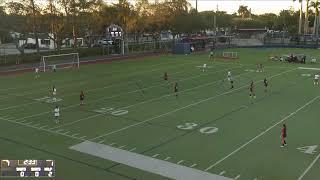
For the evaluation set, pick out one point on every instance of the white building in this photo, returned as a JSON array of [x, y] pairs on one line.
[[46, 41]]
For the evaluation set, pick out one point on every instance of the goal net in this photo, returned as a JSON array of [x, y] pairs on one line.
[[230, 55], [59, 61]]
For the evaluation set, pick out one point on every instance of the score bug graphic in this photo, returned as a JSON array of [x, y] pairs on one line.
[[27, 168]]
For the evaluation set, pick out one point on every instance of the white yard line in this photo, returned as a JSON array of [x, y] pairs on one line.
[[182, 108], [309, 167], [132, 149], [262, 133]]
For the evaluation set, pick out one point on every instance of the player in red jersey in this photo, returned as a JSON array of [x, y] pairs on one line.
[[283, 135], [81, 98], [252, 94], [176, 89], [165, 77]]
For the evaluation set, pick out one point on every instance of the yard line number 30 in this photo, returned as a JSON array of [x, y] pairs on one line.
[[204, 130]]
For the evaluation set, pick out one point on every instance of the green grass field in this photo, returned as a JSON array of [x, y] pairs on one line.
[[208, 127]]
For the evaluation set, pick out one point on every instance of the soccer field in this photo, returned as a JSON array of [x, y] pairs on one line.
[[132, 125]]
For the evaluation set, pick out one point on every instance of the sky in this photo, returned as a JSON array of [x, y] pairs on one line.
[[231, 6], [257, 6]]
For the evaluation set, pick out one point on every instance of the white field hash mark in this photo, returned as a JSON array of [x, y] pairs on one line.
[[184, 107], [155, 155], [222, 173], [262, 133], [237, 177], [181, 161], [193, 165]]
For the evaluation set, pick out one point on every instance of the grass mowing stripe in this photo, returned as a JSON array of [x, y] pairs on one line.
[[71, 94], [262, 133], [186, 90], [184, 107], [81, 83], [99, 99], [309, 167], [150, 100], [85, 75], [77, 138]]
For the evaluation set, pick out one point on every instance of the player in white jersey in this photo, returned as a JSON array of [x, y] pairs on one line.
[[54, 68], [54, 93], [204, 67], [229, 76], [37, 72], [56, 113], [316, 79]]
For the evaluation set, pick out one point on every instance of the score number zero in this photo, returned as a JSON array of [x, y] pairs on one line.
[[204, 130]]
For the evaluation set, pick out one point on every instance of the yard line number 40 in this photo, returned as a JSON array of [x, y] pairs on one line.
[[204, 130]]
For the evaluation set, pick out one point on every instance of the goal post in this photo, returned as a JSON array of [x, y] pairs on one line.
[[59, 61]]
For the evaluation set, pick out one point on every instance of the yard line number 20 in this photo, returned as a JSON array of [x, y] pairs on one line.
[[204, 130]]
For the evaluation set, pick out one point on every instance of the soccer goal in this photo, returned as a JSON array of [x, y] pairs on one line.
[[230, 55], [60, 61]]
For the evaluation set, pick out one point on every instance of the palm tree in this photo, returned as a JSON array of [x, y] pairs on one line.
[[300, 17], [315, 5], [243, 10], [306, 21]]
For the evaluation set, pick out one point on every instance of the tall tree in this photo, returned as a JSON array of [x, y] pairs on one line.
[[33, 7], [306, 19], [315, 6], [300, 16], [242, 11]]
